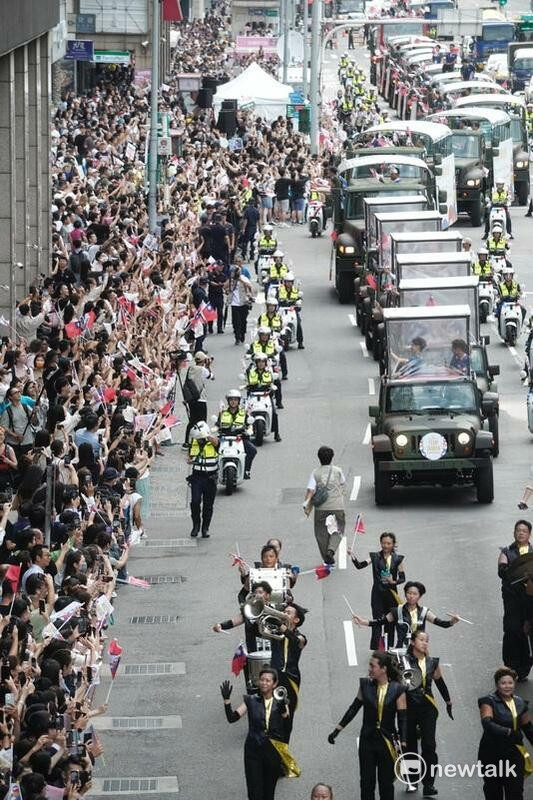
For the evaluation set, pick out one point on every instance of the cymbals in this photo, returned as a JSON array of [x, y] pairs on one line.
[[520, 569]]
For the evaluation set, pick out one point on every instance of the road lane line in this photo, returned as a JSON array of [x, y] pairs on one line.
[[342, 553], [366, 437], [371, 386], [362, 345], [350, 643], [352, 320], [355, 488]]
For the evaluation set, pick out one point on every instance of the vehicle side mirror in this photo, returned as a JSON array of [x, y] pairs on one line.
[[488, 406], [484, 340], [437, 170], [493, 370], [437, 158], [495, 152], [373, 411], [443, 208], [443, 196]]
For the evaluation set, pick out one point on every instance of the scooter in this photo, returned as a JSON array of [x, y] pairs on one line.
[[316, 218], [510, 323], [289, 320], [259, 407], [486, 299], [498, 262], [262, 266], [497, 217], [231, 460]]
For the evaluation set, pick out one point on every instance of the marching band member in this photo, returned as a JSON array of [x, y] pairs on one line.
[[388, 572], [269, 560], [262, 591], [422, 710], [516, 652], [382, 698], [266, 756], [408, 617], [286, 654], [504, 718]]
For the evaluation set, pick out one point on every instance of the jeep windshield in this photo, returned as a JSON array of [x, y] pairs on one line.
[[354, 201], [435, 396], [465, 146], [381, 172]]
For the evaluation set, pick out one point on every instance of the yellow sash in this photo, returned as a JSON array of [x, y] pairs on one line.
[[528, 766], [291, 768]]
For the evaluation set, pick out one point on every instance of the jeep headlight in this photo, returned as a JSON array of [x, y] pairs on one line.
[[401, 440], [346, 249], [473, 182], [522, 164], [463, 438]]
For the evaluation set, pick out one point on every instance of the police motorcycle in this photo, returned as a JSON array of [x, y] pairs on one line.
[[271, 285], [260, 402], [289, 319], [265, 254], [231, 453], [316, 218], [510, 316], [486, 299]]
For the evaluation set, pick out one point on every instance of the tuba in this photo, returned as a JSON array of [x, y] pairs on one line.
[[410, 676], [280, 694], [269, 619], [253, 608]]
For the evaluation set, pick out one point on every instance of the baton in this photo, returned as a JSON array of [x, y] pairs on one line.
[[451, 614], [349, 606]]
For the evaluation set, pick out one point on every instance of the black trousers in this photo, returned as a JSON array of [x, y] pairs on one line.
[[197, 413], [248, 238], [262, 769], [515, 646], [502, 788], [423, 717], [283, 364], [239, 315], [381, 603], [218, 305], [299, 329], [251, 452], [203, 493], [279, 398], [374, 757]]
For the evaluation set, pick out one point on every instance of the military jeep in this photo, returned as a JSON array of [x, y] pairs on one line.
[[430, 427]]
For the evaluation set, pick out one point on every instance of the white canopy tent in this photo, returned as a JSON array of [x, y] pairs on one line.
[[254, 85]]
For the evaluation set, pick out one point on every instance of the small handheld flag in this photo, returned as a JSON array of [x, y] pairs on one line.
[[239, 660], [322, 571], [114, 653]]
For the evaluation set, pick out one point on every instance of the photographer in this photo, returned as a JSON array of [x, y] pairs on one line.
[[241, 299], [194, 389]]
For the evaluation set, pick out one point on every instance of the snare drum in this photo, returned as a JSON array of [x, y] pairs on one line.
[[256, 662]]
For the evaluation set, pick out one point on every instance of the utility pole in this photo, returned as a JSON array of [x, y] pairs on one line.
[[306, 46], [152, 174], [316, 16], [286, 20]]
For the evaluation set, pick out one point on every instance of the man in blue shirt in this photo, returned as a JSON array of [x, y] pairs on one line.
[[89, 435], [250, 220]]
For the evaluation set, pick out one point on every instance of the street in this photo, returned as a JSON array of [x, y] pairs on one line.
[[449, 540]]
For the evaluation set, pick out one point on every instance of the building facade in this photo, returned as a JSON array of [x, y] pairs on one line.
[[25, 91]]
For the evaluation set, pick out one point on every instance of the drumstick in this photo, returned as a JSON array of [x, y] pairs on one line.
[[349, 606], [451, 614]]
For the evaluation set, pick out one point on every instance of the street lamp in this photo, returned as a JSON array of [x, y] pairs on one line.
[[152, 172]]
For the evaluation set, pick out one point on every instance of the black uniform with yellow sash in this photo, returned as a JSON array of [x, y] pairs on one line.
[[515, 646], [407, 621], [286, 654], [384, 597], [502, 741], [266, 755], [422, 713], [376, 741]]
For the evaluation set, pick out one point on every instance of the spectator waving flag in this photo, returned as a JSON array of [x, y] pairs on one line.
[[206, 312]]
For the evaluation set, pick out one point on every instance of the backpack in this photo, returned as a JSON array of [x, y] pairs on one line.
[[189, 389]]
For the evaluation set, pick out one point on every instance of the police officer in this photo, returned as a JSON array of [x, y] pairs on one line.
[[500, 197], [497, 243], [278, 269], [233, 420], [509, 291], [259, 378], [203, 457], [267, 243], [265, 344], [482, 265], [288, 295], [272, 319]]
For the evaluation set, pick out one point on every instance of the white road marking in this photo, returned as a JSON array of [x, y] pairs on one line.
[[371, 386], [342, 553], [362, 345], [352, 319], [366, 437], [355, 488], [516, 357], [350, 643]]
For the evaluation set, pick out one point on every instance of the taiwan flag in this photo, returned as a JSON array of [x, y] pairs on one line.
[[172, 11], [239, 660]]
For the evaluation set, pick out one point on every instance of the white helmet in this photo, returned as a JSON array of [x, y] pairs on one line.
[[200, 431], [267, 227], [278, 254], [508, 271], [272, 300], [289, 276], [233, 393], [263, 329], [483, 251], [260, 356]]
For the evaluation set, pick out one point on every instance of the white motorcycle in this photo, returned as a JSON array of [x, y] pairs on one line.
[[510, 323], [497, 217], [316, 219], [259, 408], [231, 460], [289, 321], [498, 264], [262, 266], [486, 299]]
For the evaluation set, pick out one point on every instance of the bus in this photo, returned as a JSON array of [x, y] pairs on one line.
[[436, 139], [350, 9], [496, 33], [516, 108]]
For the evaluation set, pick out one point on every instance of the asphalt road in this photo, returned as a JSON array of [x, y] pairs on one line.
[[450, 543]]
